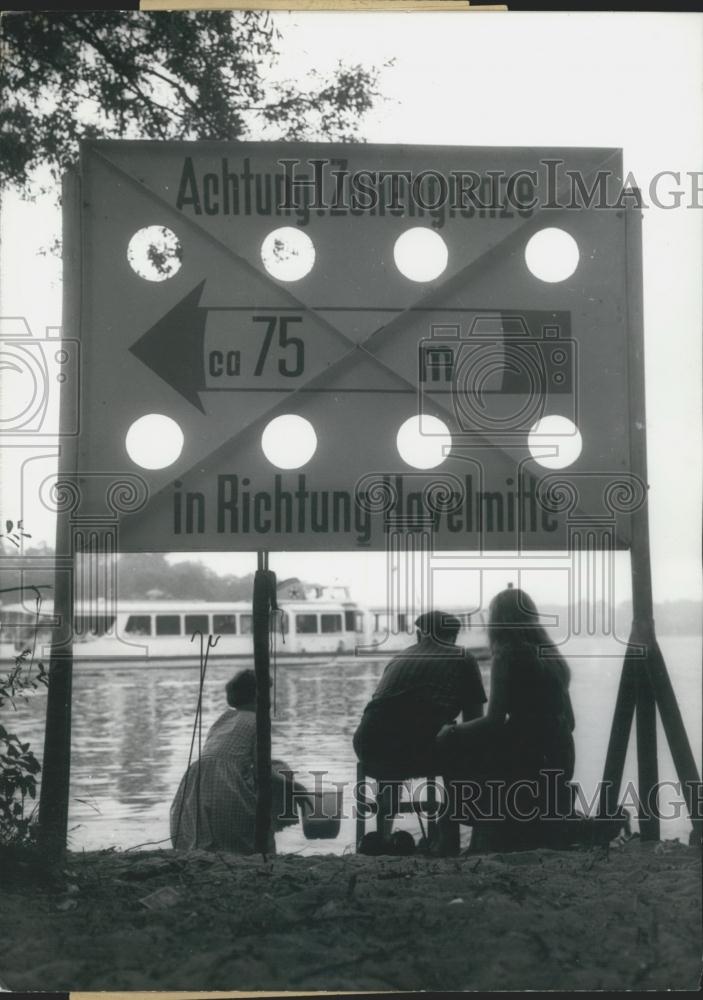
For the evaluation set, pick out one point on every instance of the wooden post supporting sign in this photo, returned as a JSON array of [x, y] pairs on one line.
[[264, 602], [56, 764], [645, 683]]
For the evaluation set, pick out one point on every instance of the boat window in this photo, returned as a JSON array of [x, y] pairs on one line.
[[349, 621], [285, 623], [23, 629], [168, 624], [380, 622], [246, 626], [81, 626], [95, 625], [331, 623], [224, 624], [359, 618], [305, 624], [104, 624], [138, 625], [17, 618], [198, 623]]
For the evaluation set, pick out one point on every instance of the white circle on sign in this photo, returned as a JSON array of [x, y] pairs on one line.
[[288, 254], [552, 254], [423, 442], [155, 253], [154, 441], [289, 441], [555, 442], [420, 254]]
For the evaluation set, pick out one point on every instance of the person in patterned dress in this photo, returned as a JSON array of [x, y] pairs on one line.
[[214, 808]]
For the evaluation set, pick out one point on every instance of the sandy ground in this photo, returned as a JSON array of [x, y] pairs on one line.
[[626, 917]]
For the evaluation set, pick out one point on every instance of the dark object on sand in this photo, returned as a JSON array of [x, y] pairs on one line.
[[399, 844], [372, 844], [402, 843], [321, 814], [606, 828]]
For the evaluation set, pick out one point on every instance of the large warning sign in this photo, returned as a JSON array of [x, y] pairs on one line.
[[299, 346]]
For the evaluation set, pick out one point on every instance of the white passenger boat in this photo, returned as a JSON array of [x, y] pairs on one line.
[[312, 622]]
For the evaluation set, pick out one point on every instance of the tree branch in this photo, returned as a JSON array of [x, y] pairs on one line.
[[97, 45]]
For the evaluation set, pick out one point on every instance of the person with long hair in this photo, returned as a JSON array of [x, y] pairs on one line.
[[528, 726]]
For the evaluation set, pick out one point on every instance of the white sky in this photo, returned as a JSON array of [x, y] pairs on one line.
[[629, 80]]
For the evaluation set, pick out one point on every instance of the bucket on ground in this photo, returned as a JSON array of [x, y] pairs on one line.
[[321, 814]]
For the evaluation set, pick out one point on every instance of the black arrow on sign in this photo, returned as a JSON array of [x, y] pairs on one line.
[[173, 347]]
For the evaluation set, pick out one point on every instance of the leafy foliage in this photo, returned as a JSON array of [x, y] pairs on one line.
[[150, 575], [18, 765], [162, 75], [140, 575]]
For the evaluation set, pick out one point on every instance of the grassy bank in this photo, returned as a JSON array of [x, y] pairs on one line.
[[623, 918]]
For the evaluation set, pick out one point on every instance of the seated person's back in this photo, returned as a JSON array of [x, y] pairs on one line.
[[421, 690]]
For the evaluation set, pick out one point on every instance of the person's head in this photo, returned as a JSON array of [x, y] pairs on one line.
[[241, 689], [437, 625], [513, 620]]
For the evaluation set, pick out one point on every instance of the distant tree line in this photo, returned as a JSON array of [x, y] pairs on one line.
[[142, 575], [150, 575]]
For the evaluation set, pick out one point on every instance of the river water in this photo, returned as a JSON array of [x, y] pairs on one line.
[[132, 729]]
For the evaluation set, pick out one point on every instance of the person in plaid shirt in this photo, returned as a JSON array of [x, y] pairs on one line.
[[421, 690], [215, 805]]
